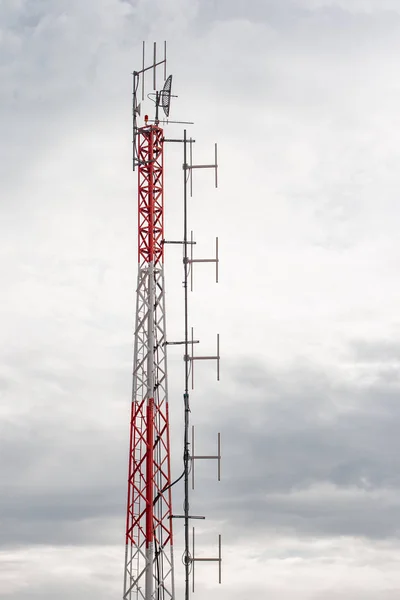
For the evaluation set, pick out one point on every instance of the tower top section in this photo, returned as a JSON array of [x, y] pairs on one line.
[[161, 97]]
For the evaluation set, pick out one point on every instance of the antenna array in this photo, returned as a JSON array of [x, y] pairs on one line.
[[139, 81], [190, 558]]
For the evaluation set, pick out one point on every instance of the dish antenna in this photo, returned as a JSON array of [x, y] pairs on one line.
[[166, 95], [163, 98]]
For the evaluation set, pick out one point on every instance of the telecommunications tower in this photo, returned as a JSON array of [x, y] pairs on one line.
[[149, 559]]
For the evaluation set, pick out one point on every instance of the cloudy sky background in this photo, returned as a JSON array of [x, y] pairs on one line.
[[303, 98]]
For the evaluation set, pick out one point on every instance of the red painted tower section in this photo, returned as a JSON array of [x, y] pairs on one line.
[[151, 194], [148, 555]]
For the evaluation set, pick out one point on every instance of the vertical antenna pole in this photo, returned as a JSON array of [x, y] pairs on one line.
[[135, 83], [216, 260], [192, 361], [154, 68], [219, 456], [186, 457], [143, 72], [216, 166], [193, 555], [218, 357], [191, 164], [165, 60], [191, 261], [193, 461], [220, 558]]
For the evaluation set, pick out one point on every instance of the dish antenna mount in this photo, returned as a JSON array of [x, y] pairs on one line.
[[160, 98], [163, 97]]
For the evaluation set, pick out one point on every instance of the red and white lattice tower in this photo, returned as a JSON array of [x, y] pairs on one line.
[[148, 556], [149, 566]]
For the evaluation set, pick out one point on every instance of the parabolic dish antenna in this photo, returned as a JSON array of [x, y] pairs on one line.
[[166, 95]]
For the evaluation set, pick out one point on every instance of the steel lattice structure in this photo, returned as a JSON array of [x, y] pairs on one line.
[[149, 570], [149, 565]]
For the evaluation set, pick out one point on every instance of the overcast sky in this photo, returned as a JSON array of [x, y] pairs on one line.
[[303, 98]]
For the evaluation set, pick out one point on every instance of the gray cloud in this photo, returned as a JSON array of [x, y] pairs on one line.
[[64, 589], [306, 452], [381, 352], [61, 485]]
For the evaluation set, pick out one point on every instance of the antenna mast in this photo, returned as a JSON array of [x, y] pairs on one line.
[[189, 557], [149, 563]]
